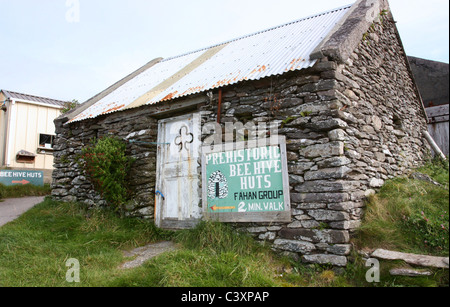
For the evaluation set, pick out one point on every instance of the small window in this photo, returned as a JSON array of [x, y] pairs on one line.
[[46, 141]]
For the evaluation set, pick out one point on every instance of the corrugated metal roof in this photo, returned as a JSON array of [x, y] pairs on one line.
[[26, 97], [267, 53]]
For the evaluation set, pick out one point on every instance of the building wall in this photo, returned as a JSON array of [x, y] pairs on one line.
[[3, 125], [32, 120], [349, 127], [389, 118]]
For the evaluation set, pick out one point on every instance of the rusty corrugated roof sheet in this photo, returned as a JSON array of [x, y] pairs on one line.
[[267, 53]]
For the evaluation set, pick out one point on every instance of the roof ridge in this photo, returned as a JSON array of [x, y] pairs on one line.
[[259, 32]]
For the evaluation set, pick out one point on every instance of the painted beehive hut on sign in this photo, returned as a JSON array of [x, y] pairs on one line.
[[283, 132]]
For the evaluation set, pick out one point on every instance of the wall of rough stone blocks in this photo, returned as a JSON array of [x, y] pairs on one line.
[[136, 127]]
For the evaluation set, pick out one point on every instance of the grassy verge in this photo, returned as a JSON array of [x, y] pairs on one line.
[[212, 255], [34, 248], [410, 215], [16, 191]]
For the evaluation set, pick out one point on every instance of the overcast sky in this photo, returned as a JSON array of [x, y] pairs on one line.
[[74, 49]]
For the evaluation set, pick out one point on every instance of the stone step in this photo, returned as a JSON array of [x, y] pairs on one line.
[[147, 252], [420, 260], [409, 272]]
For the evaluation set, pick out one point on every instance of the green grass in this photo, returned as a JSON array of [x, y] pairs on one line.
[[16, 191], [409, 215], [34, 248], [193, 268]]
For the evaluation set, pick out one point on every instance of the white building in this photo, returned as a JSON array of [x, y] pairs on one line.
[[27, 131]]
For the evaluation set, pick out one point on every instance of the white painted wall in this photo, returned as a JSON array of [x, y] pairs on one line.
[[25, 121]]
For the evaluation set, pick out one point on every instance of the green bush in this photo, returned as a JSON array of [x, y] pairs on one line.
[[107, 166]]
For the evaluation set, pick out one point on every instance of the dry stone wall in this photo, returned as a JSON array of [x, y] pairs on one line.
[[349, 127], [136, 127]]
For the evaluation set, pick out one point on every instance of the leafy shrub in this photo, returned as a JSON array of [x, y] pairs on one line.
[[69, 106], [107, 166]]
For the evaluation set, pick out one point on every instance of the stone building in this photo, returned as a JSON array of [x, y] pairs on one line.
[[337, 86]]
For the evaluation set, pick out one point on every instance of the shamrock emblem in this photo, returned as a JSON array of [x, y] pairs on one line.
[[184, 138]]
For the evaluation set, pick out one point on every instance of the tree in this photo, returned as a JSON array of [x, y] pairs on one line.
[[70, 105]]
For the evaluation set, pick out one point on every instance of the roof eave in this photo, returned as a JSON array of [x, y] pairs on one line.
[[42, 104], [12, 96], [69, 116]]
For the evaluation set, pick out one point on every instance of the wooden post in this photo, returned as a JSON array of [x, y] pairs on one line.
[[433, 145]]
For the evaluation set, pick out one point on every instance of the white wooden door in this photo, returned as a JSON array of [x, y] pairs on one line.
[[178, 180]]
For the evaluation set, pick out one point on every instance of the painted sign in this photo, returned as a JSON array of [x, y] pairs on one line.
[[246, 184], [21, 177]]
